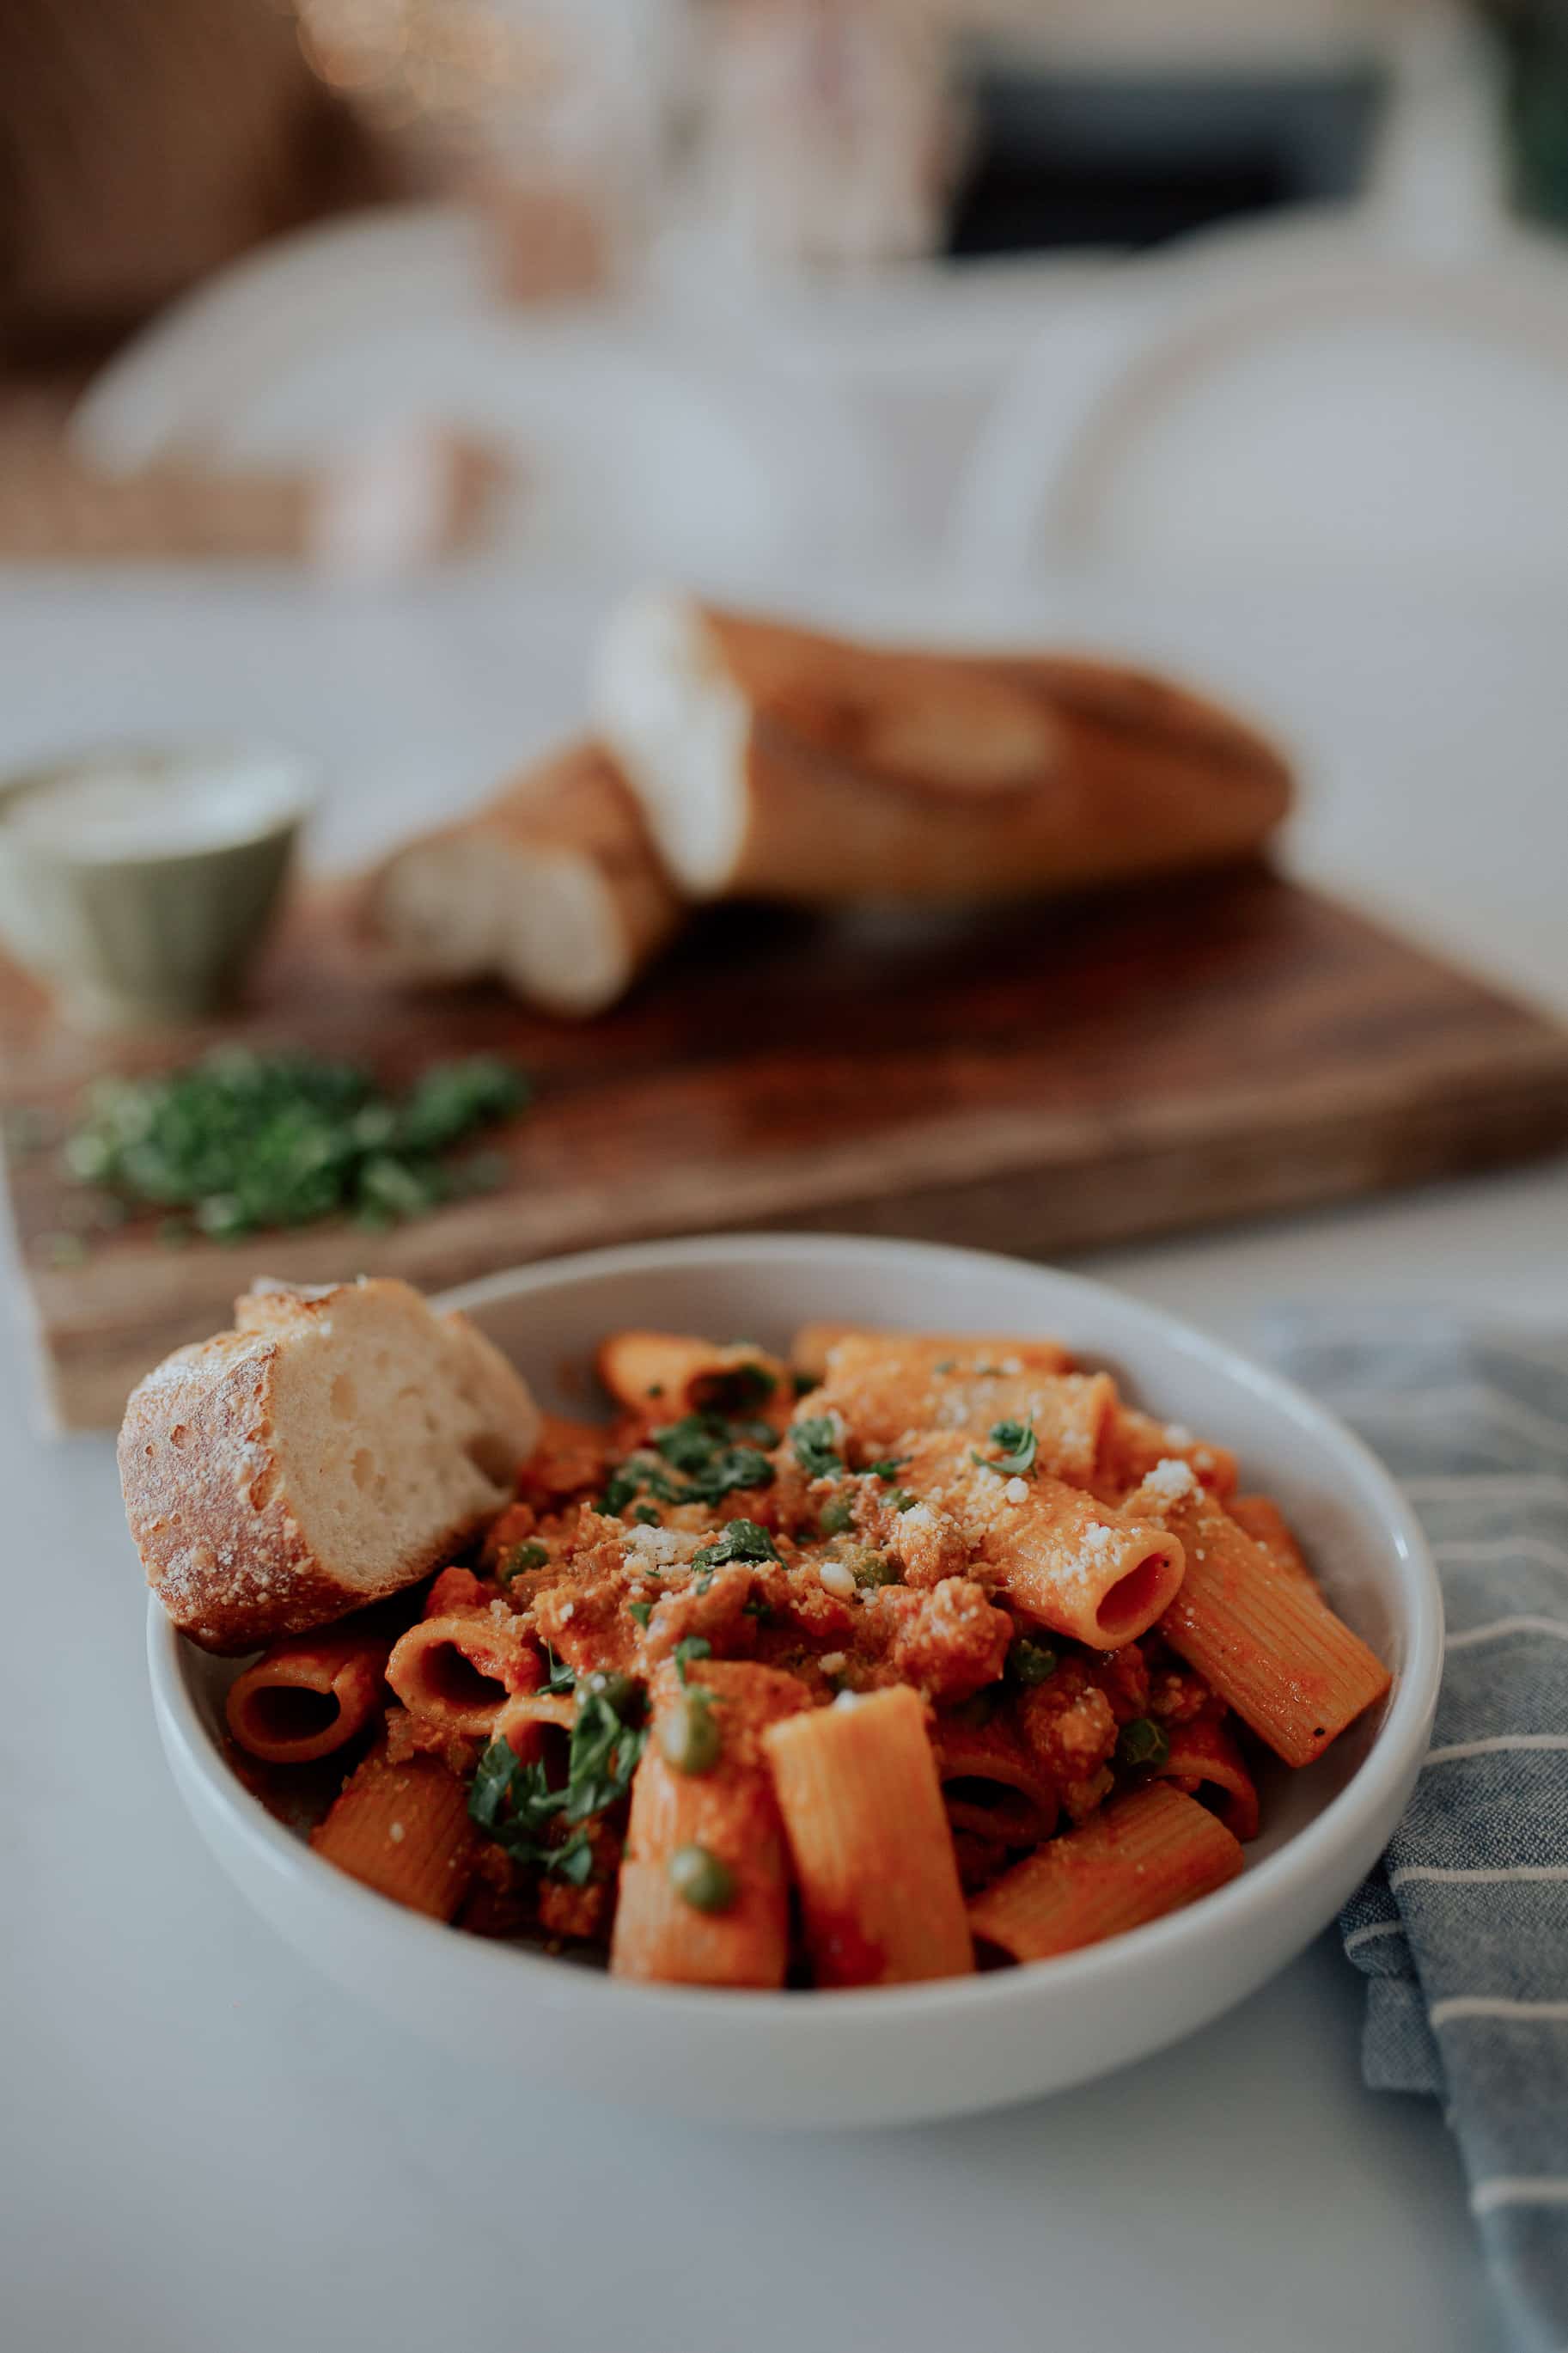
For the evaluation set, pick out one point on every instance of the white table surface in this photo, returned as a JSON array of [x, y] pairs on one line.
[[207, 2149]]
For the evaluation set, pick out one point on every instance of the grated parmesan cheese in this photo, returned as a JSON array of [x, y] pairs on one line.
[[834, 1662], [834, 1577], [1016, 1490], [663, 1544], [1170, 1480]]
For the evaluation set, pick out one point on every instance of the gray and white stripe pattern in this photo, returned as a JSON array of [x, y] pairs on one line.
[[1463, 1931]]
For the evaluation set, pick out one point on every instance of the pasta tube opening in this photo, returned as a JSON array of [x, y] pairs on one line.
[[461, 1670], [1136, 1599], [306, 1697]]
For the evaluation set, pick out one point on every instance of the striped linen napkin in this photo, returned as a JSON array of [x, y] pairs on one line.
[[1462, 1932]]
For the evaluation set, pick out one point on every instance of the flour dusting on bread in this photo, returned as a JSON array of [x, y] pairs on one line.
[[336, 1445]]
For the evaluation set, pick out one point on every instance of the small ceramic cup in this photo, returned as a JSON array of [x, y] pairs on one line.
[[137, 883]]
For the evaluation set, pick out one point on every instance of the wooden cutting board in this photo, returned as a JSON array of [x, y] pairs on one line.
[[1033, 1080]]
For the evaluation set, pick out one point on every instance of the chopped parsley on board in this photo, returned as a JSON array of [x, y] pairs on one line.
[[241, 1143]]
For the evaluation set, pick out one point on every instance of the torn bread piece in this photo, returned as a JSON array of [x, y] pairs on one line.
[[336, 1445], [552, 887], [781, 762]]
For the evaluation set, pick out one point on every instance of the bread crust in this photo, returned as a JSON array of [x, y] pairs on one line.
[[571, 809], [206, 1502], [875, 771]]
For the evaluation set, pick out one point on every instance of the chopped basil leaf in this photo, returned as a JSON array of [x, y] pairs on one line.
[[735, 1388], [573, 1861], [1019, 1446], [888, 1468], [1142, 1743], [519, 1557], [639, 1471], [605, 1748], [514, 1804], [903, 1499], [702, 1446], [688, 1445], [737, 1467], [645, 1516], [642, 1612], [741, 1540], [558, 1676], [814, 1449], [494, 1777], [836, 1516], [619, 1489]]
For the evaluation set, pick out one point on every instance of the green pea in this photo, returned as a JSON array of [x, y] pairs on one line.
[[1142, 1743], [519, 1558], [688, 1736], [700, 1879], [836, 1516], [1030, 1662], [868, 1567]]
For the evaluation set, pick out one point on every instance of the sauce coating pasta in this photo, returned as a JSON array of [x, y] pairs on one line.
[[849, 1670]]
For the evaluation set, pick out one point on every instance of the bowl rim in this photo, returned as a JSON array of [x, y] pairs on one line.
[[297, 803], [1231, 1911]]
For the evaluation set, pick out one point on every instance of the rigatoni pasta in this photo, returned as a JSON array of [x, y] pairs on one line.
[[1143, 1855], [405, 1830], [813, 1344], [308, 1696], [873, 1858], [460, 1667], [1258, 1633], [832, 1671], [705, 1886]]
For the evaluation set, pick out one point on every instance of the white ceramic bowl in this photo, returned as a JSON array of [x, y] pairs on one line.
[[861, 2058]]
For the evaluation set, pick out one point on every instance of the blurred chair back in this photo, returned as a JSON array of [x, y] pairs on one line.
[[1287, 401], [633, 443]]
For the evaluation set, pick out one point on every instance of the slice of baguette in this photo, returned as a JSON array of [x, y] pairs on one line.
[[552, 887], [777, 762], [335, 1446]]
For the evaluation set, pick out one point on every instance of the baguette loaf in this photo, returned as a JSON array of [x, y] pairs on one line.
[[336, 1445], [777, 762], [552, 887]]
